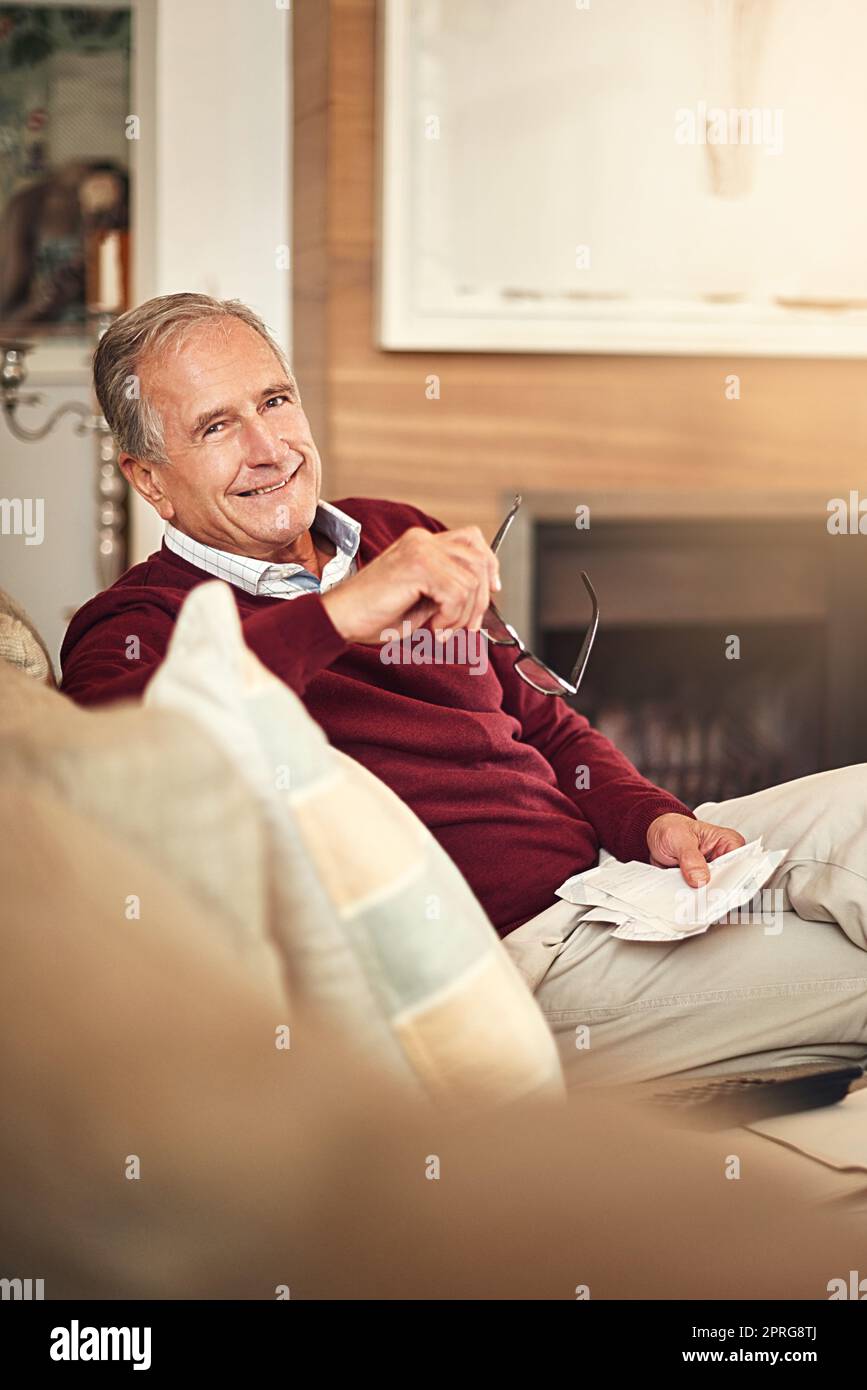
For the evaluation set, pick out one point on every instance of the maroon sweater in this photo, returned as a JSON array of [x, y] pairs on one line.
[[488, 764]]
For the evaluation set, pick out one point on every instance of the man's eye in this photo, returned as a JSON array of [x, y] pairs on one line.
[[278, 400], [217, 425]]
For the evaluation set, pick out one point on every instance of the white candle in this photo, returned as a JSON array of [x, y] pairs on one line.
[[110, 272]]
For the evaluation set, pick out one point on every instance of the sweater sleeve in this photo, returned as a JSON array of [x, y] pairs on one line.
[[115, 658], [607, 789]]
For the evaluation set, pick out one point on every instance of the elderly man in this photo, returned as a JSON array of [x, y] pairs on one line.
[[212, 434]]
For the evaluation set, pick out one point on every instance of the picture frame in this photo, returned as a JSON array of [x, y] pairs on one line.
[[747, 113]]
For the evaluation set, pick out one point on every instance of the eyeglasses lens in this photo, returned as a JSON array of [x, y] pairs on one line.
[[540, 676]]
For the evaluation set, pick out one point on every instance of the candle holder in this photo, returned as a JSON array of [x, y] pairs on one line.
[[111, 486]]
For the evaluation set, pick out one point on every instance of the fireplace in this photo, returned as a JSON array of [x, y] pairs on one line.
[[732, 649]]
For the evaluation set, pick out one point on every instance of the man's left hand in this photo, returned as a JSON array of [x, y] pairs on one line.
[[676, 839]]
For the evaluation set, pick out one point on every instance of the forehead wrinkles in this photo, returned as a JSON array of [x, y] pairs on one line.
[[189, 363]]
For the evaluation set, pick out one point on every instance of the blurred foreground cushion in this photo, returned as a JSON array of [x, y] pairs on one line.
[[388, 943], [263, 1171], [159, 785], [20, 643], [122, 1038]]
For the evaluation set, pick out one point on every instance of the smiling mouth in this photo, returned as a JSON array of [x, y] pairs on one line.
[[261, 492]]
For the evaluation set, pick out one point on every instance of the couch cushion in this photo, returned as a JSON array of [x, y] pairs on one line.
[[385, 935], [159, 783], [20, 643], [141, 1037]]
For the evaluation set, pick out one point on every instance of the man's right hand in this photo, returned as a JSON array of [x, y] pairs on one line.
[[442, 579]]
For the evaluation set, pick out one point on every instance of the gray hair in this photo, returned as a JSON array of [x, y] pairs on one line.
[[155, 325]]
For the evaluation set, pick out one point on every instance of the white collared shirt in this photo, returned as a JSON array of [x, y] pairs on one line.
[[263, 577]]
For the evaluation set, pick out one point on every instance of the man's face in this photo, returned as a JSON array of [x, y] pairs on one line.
[[243, 473]]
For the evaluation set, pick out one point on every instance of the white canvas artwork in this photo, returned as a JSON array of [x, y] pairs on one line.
[[614, 176]]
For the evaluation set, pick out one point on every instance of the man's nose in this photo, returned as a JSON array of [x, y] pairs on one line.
[[261, 442]]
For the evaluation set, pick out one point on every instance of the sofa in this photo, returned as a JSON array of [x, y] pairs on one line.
[[260, 1040]]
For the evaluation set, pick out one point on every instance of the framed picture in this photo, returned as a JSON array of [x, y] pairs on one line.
[[572, 176], [64, 166]]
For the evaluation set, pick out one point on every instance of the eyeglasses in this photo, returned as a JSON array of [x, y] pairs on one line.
[[528, 666]]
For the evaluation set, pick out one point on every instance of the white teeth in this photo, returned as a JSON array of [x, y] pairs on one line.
[[260, 491]]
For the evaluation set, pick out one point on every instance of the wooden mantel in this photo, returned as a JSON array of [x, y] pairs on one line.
[[568, 425]]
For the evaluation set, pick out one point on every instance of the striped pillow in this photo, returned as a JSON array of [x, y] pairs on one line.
[[375, 924]]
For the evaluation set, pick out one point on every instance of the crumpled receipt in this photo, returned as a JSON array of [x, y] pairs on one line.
[[645, 903]]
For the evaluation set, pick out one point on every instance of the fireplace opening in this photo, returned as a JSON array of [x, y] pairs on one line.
[[698, 723], [731, 656]]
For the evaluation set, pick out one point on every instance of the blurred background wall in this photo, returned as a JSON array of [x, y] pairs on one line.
[[709, 511], [551, 421]]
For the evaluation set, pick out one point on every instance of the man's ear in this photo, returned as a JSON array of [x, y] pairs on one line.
[[146, 479]]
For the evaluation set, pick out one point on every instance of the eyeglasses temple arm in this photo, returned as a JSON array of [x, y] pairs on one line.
[[586, 646], [501, 534]]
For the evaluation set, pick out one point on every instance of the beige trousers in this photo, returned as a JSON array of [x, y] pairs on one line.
[[788, 987]]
